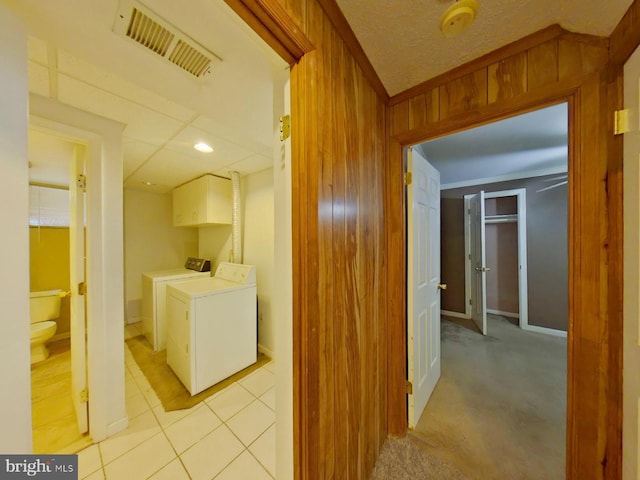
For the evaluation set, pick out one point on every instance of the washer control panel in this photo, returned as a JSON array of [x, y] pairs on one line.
[[237, 273], [198, 264]]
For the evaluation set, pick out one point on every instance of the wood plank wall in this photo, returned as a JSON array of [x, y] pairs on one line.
[[339, 137], [545, 68]]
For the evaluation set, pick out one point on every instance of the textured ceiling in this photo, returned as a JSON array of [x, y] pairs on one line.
[[402, 39]]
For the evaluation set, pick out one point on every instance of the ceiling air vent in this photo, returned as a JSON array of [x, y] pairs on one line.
[[147, 29]]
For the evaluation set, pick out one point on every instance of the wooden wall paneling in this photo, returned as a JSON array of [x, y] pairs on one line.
[[424, 109], [343, 393], [522, 45], [626, 36], [339, 21], [615, 177], [399, 118], [463, 94], [578, 57], [542, 64], [418, 111], [396, 290], [507, 78]]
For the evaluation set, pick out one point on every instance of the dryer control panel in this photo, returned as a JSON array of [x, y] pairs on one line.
[[236, 272]]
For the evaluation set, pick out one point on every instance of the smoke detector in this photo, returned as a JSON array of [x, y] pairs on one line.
[[458, 17], [142, 26]]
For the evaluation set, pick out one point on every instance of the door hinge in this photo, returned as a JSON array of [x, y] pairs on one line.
[[84, 395], [470, 302], [285, 127], [81, 181], [408, 178], [82, 288], [620, 122], [409, 387]]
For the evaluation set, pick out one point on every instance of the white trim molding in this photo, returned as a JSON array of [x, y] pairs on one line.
[[545, 330], [504, 314], [505, 178], [447, 313], [266, 351]]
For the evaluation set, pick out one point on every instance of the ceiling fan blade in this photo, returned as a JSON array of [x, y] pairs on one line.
[[561, 177], [552, 186]]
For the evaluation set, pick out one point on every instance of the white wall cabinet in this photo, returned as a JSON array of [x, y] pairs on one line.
[[203, 201]]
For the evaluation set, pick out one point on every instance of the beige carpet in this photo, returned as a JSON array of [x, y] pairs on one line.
[[499, 409], [170, 391], [405, 459]]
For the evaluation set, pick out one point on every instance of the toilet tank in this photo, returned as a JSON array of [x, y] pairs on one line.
[[45, 305]]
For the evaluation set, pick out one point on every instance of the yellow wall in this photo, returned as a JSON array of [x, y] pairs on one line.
[[49, 265]]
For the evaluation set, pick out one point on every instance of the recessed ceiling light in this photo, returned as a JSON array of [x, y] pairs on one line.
[[148, 184], [203, 147]]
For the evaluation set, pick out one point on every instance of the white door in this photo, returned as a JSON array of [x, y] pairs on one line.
[[423, 272], [478, 262], [631, 315], [78, 299]]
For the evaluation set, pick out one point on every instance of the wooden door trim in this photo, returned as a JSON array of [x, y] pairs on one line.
[[275, 26], [587, 186]]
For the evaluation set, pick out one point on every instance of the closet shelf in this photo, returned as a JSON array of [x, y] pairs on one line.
[[509, 218]]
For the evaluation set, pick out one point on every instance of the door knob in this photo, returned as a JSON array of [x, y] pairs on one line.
[[442, 286], [483, 269]]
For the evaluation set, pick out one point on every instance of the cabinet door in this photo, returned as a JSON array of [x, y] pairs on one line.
[[218, 200], [190, 203]]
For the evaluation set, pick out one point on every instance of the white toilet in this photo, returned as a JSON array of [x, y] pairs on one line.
[[44, 309]]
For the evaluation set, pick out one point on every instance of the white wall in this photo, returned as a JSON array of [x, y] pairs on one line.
[[258, 248], [215, 244], [151, 242], [105, 257], [15, 394]]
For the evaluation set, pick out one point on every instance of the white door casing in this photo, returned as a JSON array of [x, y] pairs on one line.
[[478, 262], [78, 299], [423, 272], [631, 253]]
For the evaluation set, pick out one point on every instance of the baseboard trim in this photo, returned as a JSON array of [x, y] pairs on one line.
[[266, 351], [60, 336], [117, 426], [133, 320], [545, 330], [504, 314], [463, 316]]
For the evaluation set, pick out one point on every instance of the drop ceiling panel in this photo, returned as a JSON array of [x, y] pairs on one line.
[[76, 68], [141, 123], [253, 164], [224, 152], [37, 50], [240, 137], [135, 153], [173, 168], [38, 79]]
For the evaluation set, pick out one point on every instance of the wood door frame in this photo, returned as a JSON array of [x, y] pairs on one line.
[[593, 412]]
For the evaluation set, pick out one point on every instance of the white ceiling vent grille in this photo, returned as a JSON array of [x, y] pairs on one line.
[[147, 29]]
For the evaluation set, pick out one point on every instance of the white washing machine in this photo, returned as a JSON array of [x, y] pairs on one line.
[[154, 286], [211, 326]]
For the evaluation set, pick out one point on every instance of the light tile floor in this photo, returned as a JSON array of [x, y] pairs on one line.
[[231, 435]]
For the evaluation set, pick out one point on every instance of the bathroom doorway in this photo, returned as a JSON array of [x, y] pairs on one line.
[[57, 265]]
